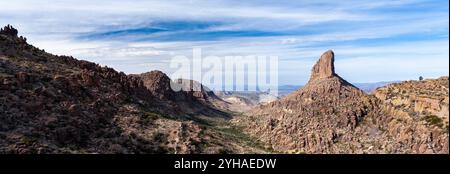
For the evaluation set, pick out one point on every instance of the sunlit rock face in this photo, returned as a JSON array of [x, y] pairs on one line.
[[330, 115], [324, 68]]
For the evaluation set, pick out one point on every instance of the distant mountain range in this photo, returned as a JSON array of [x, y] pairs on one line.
[[284, 90], [366, 87]]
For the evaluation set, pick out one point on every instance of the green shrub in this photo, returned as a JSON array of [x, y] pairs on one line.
[[28, 141], [159, 137], [148, 118], [434, 120]]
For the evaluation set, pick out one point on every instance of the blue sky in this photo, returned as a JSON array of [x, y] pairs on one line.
[[373, 40]]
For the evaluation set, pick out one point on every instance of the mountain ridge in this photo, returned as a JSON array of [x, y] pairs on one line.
[[58, 104]]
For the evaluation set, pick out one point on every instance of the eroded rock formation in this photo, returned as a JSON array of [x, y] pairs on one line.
[[330, 115], [324, 68]]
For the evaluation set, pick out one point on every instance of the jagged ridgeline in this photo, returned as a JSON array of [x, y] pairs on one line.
[[330, 115], [58, 104]]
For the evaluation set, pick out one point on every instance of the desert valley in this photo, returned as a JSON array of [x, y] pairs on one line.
[[59, 104]]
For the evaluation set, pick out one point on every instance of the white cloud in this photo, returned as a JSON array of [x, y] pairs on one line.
[[321, 25]]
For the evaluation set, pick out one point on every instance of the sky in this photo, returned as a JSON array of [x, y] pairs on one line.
[[383, 40]]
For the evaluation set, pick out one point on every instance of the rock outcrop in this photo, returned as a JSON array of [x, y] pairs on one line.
[[197, 90], [190, 95], [159, 84], [9, 31], [316, 116], [324, 68], [330, 115]]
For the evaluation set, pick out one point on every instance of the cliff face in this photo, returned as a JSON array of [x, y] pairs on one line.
[[324, 68], [329, 115], [201, 93], [191, 96]]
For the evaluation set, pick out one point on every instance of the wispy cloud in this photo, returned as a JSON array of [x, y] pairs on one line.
[[370, 38]]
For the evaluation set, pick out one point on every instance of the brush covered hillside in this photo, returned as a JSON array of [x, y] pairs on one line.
[[330, 115], [58, 104]]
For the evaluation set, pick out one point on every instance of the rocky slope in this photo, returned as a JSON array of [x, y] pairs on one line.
[[330, 115], [426, 98], [419, 114], [58, 104]]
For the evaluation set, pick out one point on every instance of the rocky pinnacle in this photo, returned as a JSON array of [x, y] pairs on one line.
[[324, 68], [9, 30]]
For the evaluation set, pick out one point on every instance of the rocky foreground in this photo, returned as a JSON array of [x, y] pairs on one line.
[[330, 115]]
